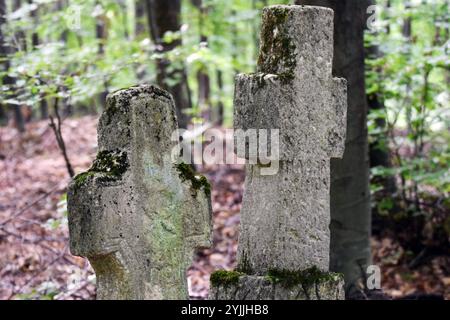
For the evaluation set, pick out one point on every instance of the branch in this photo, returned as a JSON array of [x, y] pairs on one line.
[[59, 138]]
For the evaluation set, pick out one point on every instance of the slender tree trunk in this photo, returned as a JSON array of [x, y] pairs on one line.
[[19, 119], [4, 65], [350, 197], [5, 50], [257, 5], [202, 75], [220, 106], [234, 44], [20, 36], [34, 18], [60, 5], [447, 37], [406, 32], [3, 116], [57, 130], [124, 9], [35, 41], [388, 7], [407, 23], [101, 35], [66, 105], [43, 106], [379, 149], [164, 16], [139, 14], [140, 29]]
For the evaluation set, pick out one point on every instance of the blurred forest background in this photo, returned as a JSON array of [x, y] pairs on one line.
[[59, 59]]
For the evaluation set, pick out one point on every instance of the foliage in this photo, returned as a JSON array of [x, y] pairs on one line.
[[410, 75], [72, 61]]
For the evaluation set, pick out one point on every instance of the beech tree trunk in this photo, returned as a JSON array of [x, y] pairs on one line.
[[139, 12], [35, 41], [164, 16], [101, 35], [202, 75], [6, 49], [220, 106]]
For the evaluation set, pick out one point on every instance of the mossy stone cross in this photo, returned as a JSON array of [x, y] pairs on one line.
[[285, 217], [135, 214]]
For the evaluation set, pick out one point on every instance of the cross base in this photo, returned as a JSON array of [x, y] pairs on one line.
[[231, 285]]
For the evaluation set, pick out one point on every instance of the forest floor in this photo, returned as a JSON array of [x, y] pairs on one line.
[[35, 262]]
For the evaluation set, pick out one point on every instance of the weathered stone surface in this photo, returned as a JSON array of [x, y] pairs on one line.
[[300, 98], [136, 215], [285, 217], [250, 287]]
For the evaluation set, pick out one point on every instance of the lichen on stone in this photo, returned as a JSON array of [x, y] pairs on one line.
[[224, 278], [277, 53], [305, 278], [119, 101], [110, 165], [197, 181]]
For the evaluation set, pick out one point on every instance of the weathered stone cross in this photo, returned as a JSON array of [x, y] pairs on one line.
[[135, 214], [285, 217]]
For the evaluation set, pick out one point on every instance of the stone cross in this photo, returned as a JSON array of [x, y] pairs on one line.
[[135, 214], [285, 217]]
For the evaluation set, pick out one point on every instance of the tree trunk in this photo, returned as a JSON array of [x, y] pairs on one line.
[[6, 49], [60, 5], [164, 16], [43, 107], [388, 7], [220, 106], [234, 44], [407, 23], [34, 18], [350, 197], [257, 5], [3, 53], [101, 35], [202, 75], [379, 149], [139, 17], [21, 39], [3, 116]]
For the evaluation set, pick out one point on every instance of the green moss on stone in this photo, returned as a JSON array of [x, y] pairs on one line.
[[277, 54], [109, 165], [82, 177], [225, 278], [113, 162], [197, 181], [305, 278], [287, 279]]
